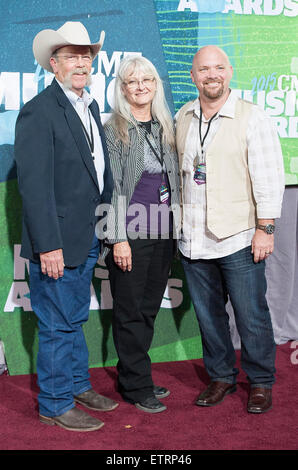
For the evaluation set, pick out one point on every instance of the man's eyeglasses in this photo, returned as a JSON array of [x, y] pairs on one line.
[[74, 58]]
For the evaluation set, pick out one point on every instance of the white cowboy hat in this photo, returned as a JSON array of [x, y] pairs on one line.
[[72, 33]]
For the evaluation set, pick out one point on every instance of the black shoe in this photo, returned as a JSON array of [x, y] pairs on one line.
[[151, 405], [160, 392], [215, 393]]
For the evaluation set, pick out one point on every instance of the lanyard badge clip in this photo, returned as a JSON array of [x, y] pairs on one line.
[[200, 166], [164, 194]]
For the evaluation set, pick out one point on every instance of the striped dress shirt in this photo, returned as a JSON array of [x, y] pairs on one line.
[[127, 164]]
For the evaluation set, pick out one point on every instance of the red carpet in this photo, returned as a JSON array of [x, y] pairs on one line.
[[183, 426]]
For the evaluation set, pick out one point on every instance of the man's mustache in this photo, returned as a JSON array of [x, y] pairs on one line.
[[79, 70]]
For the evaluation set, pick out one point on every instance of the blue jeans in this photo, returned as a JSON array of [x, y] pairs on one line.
[[62, 307], [210, 282]]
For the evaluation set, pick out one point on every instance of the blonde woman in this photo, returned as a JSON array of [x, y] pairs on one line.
[[141, 144]]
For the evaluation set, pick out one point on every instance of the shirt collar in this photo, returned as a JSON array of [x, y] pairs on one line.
[[134, 123], [74, 98], [227, 110]]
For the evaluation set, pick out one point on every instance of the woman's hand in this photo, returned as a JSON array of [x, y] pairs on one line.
[[122, 256]]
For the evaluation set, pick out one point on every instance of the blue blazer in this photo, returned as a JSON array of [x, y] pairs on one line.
[[57, 178]]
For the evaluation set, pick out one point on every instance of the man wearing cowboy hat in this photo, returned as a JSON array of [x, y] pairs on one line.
[[63, 173]]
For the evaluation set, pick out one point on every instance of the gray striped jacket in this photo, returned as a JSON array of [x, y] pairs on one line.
[[127, 165]]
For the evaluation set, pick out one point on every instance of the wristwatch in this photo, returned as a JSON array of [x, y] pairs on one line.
[[269, 228]]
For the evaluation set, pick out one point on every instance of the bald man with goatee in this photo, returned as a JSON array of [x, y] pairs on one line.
[[232, 187]]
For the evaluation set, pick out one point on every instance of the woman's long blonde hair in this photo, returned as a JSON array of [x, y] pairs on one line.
[[159, 108]]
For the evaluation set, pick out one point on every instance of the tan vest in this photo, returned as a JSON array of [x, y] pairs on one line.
[[231, 207]]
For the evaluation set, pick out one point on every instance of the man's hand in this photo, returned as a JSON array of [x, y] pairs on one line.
[[262, 245], [122, 256], [52, 263]]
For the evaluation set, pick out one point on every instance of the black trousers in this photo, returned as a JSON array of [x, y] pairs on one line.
[[137, 296]]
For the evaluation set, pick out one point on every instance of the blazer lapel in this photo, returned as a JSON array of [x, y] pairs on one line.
[[75, 126], [95, 113]]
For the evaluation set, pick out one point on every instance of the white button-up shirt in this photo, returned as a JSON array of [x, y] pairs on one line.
[[81, 105], [265, 163]]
